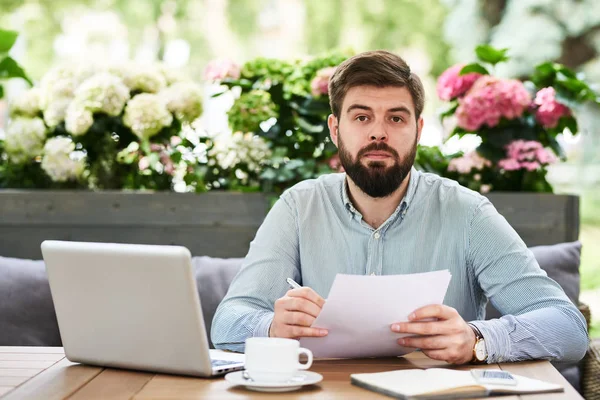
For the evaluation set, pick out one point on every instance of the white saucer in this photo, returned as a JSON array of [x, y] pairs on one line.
[[302, 378]]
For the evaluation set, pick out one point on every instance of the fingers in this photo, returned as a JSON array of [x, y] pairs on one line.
[[308, 294], [297, 318], [298, 304], [423, 328], [449, 355], [295, 313], [425, 342], [295, 331], [439, 311]]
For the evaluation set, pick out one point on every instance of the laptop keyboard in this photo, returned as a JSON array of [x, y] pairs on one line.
[[220, 363]]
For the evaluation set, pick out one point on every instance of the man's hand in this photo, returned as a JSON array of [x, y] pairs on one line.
[[295, 313], [449, 338]]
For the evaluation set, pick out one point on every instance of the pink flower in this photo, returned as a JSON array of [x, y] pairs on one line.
[[143, 164], [451, 85], [545, 156], [549, 111], [464, 164], [509, 164], [489, 100], [320, 84], [485, 188], [176, 141], [217, 70], [529, 155]]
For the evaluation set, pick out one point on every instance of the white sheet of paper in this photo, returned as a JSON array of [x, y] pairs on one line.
[[360, 310], [227, 355]]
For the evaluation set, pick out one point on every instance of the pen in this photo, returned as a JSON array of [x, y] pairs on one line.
[[293, 284]]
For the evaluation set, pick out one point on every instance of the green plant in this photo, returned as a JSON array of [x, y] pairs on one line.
[[9, 68], [286, 104]]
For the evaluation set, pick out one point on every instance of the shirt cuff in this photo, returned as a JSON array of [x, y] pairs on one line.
[[264, 324], [497, 341]]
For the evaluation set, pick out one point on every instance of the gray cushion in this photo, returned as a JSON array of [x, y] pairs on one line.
[[561, 263], [27, 315], [213, 276]]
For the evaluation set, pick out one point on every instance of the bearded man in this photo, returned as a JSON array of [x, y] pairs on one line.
[[383, 217]]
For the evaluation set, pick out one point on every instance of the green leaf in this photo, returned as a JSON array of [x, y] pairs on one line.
[[10, 69], [460, 132], [308, 127], [570, 123], [491, 55], [1, 92], [449, 111], [562, 96], [219, 94], [572, 84], [475, 67], [7, 40]]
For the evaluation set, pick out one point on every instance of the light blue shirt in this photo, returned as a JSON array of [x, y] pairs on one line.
[[314, 232]]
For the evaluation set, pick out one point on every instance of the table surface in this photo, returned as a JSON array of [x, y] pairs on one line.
[[45, 373]]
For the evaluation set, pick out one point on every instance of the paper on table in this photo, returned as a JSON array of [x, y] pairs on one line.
[[227, 355], [360, 310]]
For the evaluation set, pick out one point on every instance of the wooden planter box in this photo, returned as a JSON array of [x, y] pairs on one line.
[[218, 224], [540, 218]]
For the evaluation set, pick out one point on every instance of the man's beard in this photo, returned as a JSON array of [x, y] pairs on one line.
[[376, 179]]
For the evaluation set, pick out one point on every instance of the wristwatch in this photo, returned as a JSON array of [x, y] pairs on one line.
[[479, 351]]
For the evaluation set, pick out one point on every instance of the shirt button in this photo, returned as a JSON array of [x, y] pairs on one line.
[[376, 235]]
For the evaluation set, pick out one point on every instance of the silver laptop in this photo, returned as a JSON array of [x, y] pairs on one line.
[[131, 306]]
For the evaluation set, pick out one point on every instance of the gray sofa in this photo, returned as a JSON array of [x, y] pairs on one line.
[[27, 313]]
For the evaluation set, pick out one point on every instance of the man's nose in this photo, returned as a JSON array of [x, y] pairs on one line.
[[378, 134]]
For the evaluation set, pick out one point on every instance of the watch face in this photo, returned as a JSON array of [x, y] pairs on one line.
[[480, 352]]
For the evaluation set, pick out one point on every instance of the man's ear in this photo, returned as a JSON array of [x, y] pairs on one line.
[[419, 129], [332, 123]]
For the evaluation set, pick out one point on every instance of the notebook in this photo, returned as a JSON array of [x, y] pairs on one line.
[[441, 383]]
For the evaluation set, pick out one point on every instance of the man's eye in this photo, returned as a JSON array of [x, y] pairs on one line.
[[362, 118], [397, 119]]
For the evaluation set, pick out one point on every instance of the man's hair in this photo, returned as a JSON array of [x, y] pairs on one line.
[[378, 68]]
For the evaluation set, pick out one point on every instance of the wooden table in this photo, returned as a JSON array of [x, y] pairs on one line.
[[45, 373]]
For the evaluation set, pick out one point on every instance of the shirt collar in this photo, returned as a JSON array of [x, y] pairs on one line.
[[404, 204]]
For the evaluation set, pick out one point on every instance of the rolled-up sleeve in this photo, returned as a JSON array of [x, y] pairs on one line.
[[247, 309], [539, 322]]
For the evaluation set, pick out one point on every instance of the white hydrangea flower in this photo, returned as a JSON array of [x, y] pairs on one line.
[[61, 82], [55, 112], [78, 119], [27, 104], [143, 78], [146, 114], [238, 148], [184, 100], [171, 75], [24, 138], [59, 160], [103, 92]]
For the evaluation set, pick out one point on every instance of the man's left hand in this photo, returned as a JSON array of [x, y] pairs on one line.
[[447, 337]]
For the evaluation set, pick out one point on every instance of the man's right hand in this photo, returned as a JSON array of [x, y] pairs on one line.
[[294, 314]]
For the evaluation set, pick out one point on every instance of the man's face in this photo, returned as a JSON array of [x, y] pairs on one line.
[[377, 136]]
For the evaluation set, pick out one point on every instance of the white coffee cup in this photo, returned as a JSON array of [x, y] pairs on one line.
[[274, 359]]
